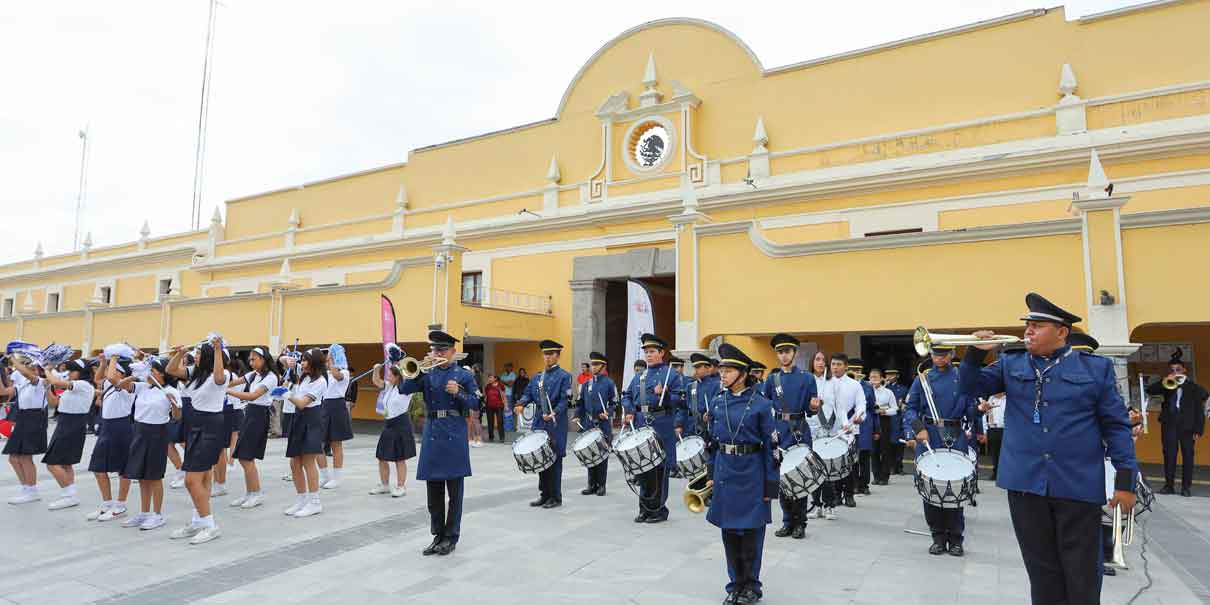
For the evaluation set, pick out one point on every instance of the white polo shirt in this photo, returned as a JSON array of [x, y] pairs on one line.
[[314, 389], [153, 406], [29, 396], [336, 388], [256, 381], [78, 399], [209, 397], [115, 402]]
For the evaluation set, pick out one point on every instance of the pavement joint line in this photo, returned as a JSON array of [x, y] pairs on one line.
[[216, 579]]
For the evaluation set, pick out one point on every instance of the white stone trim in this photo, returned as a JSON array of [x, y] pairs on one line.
[[1087, 259], [1126, 10], [57, 290], [1121, 263], [1164, 218], [94, 263]]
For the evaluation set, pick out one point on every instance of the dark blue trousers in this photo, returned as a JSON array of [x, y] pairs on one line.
[[443, 522], [550, 481], [744, 549]]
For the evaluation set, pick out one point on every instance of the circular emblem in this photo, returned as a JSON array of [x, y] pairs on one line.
[[649, 144]]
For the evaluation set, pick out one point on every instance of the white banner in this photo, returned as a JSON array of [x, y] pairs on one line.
[[639, 320]]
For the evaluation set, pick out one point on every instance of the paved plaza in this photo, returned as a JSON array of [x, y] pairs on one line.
[[366, 549]]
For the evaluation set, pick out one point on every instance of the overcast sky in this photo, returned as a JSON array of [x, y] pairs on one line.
[[303, 90]]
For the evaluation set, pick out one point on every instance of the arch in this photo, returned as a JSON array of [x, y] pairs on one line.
[[651, 25]]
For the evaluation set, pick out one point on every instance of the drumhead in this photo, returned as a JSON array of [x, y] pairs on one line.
[[531, 443], [944, 465], [830, 447], [794, 457], [586, 439], [634, 438], [690, 447]]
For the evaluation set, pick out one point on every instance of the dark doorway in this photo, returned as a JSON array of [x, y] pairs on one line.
[[885, 351], [663, 301]]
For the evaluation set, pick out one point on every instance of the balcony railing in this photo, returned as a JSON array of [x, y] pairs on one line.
[[496, 298]]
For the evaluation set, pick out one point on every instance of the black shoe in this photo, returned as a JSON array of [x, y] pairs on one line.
[[445, 548], [538, 502], [588, 491], [1109, 571], [1185, 492], [732, 598], [601, 491], [865, 491], [553, 504], [974, 503], [747, 595], [432, 548], [783, 532], [850, 502], [937, 549], [642, 518], [800, 532], [657, 518], [956, 550], [1167, 489]]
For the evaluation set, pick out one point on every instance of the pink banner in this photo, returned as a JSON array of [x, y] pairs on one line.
[[388, 337]]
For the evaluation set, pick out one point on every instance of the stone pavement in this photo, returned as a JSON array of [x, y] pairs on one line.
[[367, 549]]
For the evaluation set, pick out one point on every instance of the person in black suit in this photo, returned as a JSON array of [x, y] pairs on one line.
[[1182, 420]]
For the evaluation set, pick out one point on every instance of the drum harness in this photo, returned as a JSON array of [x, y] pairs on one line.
[[642, 405]]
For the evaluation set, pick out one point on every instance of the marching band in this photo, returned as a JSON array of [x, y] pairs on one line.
[[811, 439]]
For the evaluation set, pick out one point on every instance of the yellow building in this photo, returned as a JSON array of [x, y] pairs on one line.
[[847, 199]]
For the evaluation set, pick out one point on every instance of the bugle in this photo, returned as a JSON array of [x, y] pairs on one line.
[[697, 493], [924, 341], [1173, 383]]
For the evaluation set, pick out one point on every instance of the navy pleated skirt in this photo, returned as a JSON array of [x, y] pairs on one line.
[[396, 441], [254, 434], [29, 433], [67, 443], [306, 432], [112, 446], [204, 441], [148, 458]]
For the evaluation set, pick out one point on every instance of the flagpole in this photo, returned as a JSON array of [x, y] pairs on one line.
[[75, 238]]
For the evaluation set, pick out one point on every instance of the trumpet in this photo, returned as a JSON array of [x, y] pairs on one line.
[[923, 340], [408, 366], [1122, 536], [697, 493], [428, 364], [1174, 382]]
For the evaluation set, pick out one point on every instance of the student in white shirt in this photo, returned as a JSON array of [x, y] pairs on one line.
[[819, 369], [993, 425], [337, 422], [233, 419], [67, 444], [178, 429], [156, 402], [27, 391], [396, 443], [306, 446], [888, 414], [113, 439], [207, 381], [254, 433], [840, 413]]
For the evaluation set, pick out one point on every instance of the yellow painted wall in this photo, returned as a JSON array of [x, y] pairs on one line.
[[139, 290], [75, 296], [1156, 258], [140, 328], [241, 322], [1102, 251], [1003, 215], [8, 330], [521, 355], [63, 329]]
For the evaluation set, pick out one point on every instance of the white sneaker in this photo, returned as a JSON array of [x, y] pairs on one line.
[[96, 514], [399, 492], [309, 509], [135, 520], [253, 501], [830, 514], [63, 502], [476, 444], [152, 522], [331, 484], [217, 490], [293, 508], [819, 512], [207, 534], [239, 501], [188, 531], [379, 489], [25, 498], [177, 482], [287, 477], [112, 514]]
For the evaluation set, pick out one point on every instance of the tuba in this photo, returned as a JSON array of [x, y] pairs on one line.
[[697, 493], [1175, 382]]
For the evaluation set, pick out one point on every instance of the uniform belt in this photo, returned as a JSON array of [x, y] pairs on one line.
[[950, 422], [793, 415], [740, 449], [445, 414], [654, 412]]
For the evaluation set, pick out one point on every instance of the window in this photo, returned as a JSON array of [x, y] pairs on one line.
[[164, 288], [472, 288], [52, 302], [105, 294], [9, 304]]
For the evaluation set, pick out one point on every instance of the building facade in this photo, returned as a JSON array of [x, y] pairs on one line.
[[929, 181]]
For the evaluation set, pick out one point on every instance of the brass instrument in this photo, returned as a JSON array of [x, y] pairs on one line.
[[697, 493], [1120, 541], [923, 340], [409, 367], [1175, 382], [428, 364]]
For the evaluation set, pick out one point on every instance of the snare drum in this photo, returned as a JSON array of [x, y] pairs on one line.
[[837, 455], [534, 452], [801, 472], [691, 456], [639, 451], [945, 477], [591, 447]]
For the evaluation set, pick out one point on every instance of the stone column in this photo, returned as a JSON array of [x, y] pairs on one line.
[[587, 318]]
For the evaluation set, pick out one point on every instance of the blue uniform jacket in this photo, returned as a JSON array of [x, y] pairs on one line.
[[598, 396], [791, 393], [952, 404], [444, 451], [695, 404], [637, 396], [898, 428], [742, 482], [865, 432], [550, 389], [1081, 420]]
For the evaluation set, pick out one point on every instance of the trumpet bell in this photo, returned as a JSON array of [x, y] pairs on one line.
[[924, 341], [409, 367], [428, 364], [697, 494], [1173, 384]]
